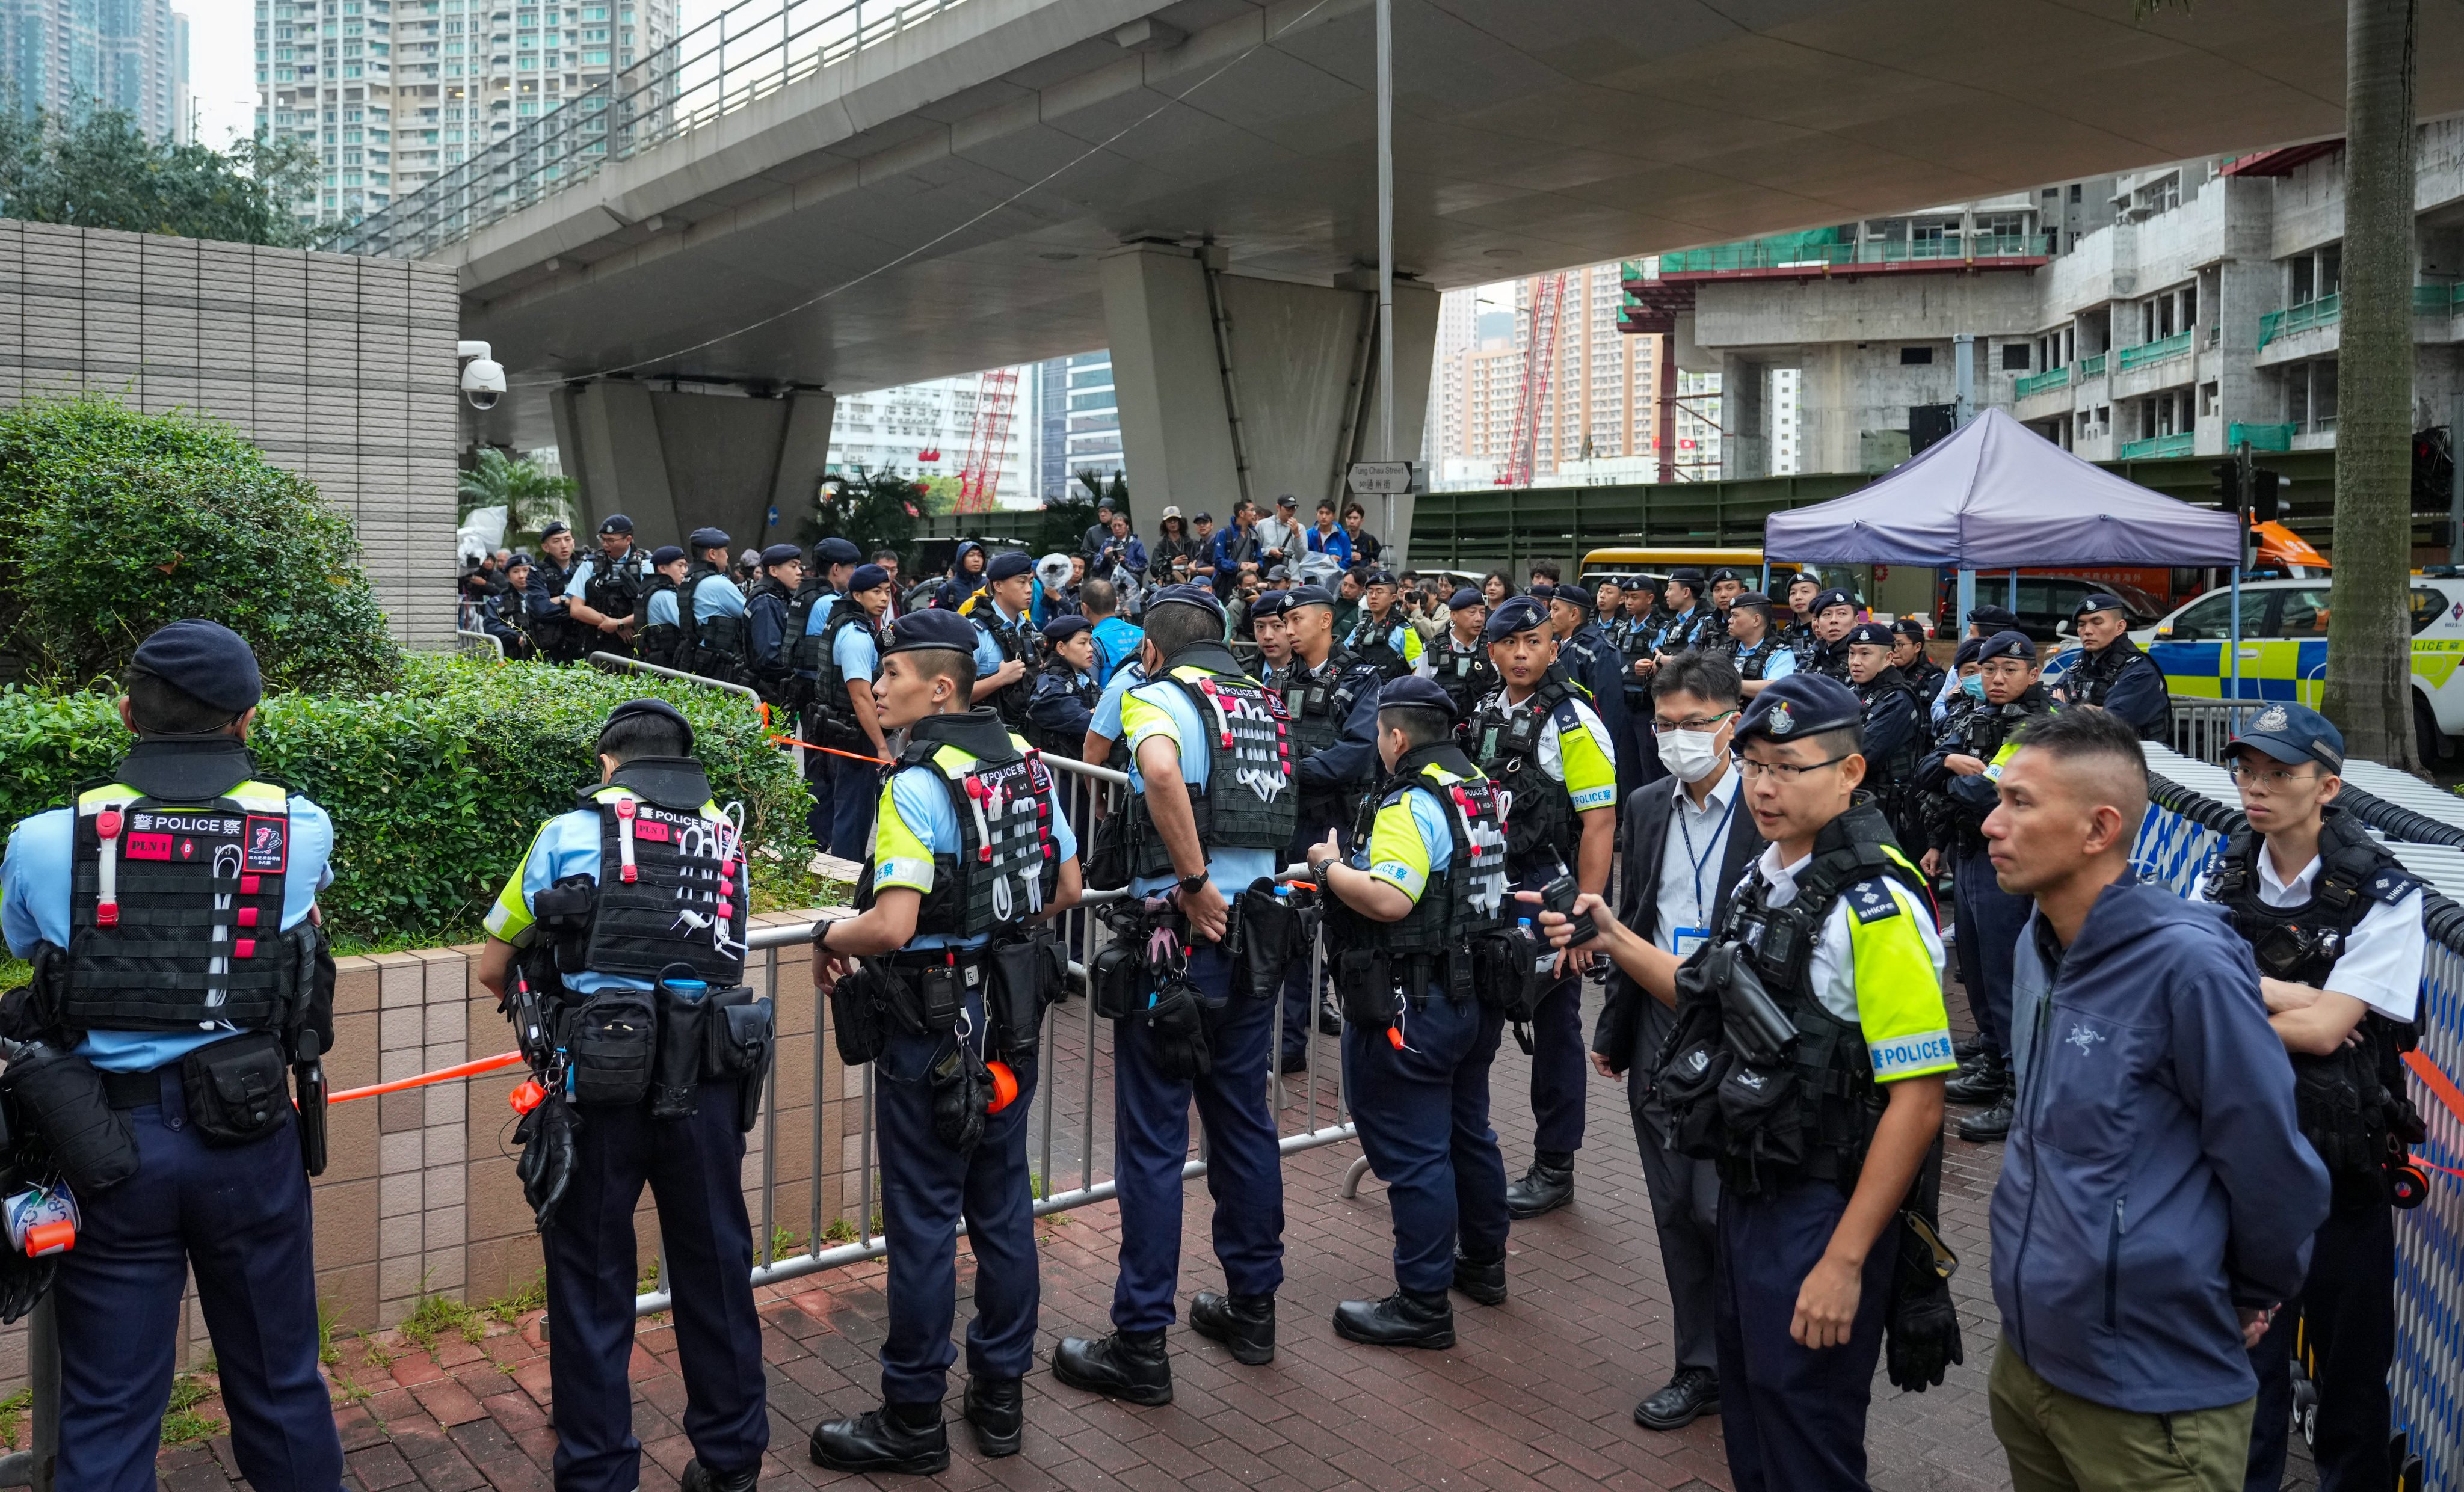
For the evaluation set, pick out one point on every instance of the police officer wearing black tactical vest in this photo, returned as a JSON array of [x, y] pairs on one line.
[[604, 595], [1380, 637], [1908, 639], [617, 950], [1590, 659], [1211, 807], [181, 983], [1065, 691], [767, 613], [2111, 672], [560, 637], [1835, 617], [1006, 653], [1761, 658], [1414, 926], [970, 855], [660, 639], [1332, 697], [2335, 922], [1458, 660], [1892, 741], [715, 637]]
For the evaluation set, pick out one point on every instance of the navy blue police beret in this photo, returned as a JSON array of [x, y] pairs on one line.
[[1009, 563], [1465, 596], [836, 551], [1270, 604], [1910, 628], [1830, 599], [1968, 649], [1750, 600], [1688, 577], [1990, 620], [665, 554], [1415, 692], [1378, 578], [205, 659], [1188, 594], [634, 707], [2099, 602], [2006, 644], [781, 554], [1514, 614], [1799, 705], [1873, 635], [935, 629], [866, 577], [709, 538], [555, 526], [1573, 595], [1299, 596], [616, 523], [1065, 627]]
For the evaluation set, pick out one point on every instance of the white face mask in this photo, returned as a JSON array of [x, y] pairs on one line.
[[1691, 755]]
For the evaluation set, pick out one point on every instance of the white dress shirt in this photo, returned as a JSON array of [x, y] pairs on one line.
[[1691, 858]]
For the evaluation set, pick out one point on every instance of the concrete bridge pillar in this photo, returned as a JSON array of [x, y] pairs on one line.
[[1745, 418], [1233, 387], [674, 460]]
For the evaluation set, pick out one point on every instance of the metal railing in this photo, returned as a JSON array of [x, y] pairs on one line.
[[2438, 299], [2180, 444], [2158, 351], [746, 52], [2091, 367], [2045, 382], [609, 659], [2202, 727], [478, 645], [2322, 312]]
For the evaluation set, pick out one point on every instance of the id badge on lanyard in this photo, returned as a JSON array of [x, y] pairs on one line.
[[1688, 939]]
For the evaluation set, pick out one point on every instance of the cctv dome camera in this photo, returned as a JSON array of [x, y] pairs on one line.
[[483, 378]]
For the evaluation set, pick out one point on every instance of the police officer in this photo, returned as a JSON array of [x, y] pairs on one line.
[[1725, 588], [2112, 671], [1689, 619], [2335, 922], [1964, 769], [834, 561], [560, 637], [1925, 676], [845, 712], [661, 637], [767, 612], [627, 919], [1590, 659], [714, 640], [1065, 691], [956, 974], [1833, 922], [1006, 645], [1380, 637], [158, 1084], [1421, 886], [1538, 738], [605, 594], [1209, 811], [505, 615], [1332, 697], [1798, 632], [1458, 662], [1761, 658], [1835, 616], [1889, 729]]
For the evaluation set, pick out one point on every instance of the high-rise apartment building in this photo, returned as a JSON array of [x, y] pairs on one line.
[[391, 92], [1598, 405], [68, 56], [924, 429]]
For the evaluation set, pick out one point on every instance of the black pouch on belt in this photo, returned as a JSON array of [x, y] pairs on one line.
[[961, 1088], [1273, 933], [1176, 1033], [1121, 981], [938, 992], [740, 1030], [675, 1076], [1364, 983], [59, 1097], [859, 1021], [238, 1090], [1026, 979], [612, 1039], [1505, 968], [1108, 852]]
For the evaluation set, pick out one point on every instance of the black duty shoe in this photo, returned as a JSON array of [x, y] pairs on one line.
[[1968, 1048], [1128, 1366], [1483, 1282], [698, 1477], [1993, 1124], [1543, 1188], [1695, 1391], [1330, 1021], [1984, 1084], [1294, 1062], [1403, 1319], [877, 1440], [1243, 1322], [997, 1408]]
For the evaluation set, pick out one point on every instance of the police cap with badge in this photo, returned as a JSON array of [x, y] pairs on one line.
[[1799, 706], [1514, 614], [1412, 692], [1870, 634]]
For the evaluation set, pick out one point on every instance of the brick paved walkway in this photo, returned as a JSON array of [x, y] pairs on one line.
[[1539, 1391]]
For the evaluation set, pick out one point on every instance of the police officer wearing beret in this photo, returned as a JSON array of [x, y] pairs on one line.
[[505, 615], [170, 914], [1211, 806], [972, 853], [1892, 740], [1836, 929], [1332, 696], [843, 712], [1689, 621], [842, 790], [603, 595], [1007, 653], [1540, 741], [714, 634], [660, 639], [2111, 672], [544, 597], [1065, 690], [1458, 662], [1761, 655], [766, 613], [2335, 922], [1835, 617], [1423, 884], [627, 919], [1380, 637]]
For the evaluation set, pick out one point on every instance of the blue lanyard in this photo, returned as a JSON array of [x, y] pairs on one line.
[[1704, 858]]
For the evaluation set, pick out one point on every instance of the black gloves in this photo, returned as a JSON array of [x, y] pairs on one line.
[[546, 1134]]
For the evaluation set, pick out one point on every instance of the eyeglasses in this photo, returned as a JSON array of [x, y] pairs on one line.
[[1750, 769], [1698, 723], [2274, 779]]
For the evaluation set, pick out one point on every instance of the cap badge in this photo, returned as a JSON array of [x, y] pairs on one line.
[[2271, 718], [1780, 722]]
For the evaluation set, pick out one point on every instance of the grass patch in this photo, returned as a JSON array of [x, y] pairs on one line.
[[182, 1423], [326, 1351], [839, 1231], [782, 1245], [437, 1316], [14, 1405], [378, 1355], [510, 1306], [649, 1279]]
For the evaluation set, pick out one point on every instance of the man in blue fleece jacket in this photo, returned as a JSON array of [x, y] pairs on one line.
[[2157, 1200]]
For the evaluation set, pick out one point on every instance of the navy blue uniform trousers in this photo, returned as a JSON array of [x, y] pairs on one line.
[[1423, 1118], [1793, 1416], [694, 1168], [239, 1216], [1989, 922], [927, 1191], [2347, 1309], [1244, 1171]]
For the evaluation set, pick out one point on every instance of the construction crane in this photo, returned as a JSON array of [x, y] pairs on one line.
[[988, 440], [1539, 372]]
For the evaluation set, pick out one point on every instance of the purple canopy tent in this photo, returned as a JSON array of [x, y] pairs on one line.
[[1996, 495]]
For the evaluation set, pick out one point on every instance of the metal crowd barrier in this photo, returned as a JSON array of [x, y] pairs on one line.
[[478, 645], [609, 659], [2202, 727]]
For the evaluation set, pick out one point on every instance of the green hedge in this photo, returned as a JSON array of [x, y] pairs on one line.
[[434, 787]]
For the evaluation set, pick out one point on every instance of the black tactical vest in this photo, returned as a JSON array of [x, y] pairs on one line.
[[672, 875], [1466, 674], [2091, 682], [2350, 1102], [717, 641], [1901, 767], [1252, 797], [1540, 819], [616, 586], [558, 635], [1011, 699], [1319, 701], [767, 589], [1752, 661], [805, 651], [175, 905], [1007, 866], [830, 701], [1373, 643], [1471, 899], [1088, 694], [662, 643]]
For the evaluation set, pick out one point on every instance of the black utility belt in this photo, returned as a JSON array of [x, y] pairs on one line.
[[619, 1047], [924, 993]]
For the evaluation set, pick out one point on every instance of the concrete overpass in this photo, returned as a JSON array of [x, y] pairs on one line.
[[972, 182]]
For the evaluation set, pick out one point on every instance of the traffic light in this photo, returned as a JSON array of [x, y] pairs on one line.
[[2228, 485], [2266, 503]]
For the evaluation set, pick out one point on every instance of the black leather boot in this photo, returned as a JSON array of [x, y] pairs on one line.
[[1967, 1048], [1543, 1188], [1483, 1282], [1128, 1365], [1984, 1084], [1993, 1124], [1403, 1319], [1243, 1322], [997, 1408], [896, 1438], [698, 1477], [1693, 1393]]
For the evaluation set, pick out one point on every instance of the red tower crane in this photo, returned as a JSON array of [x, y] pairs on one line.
[[1539, 372], [988, 440]]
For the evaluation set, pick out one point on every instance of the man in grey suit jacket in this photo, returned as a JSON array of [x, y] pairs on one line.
[[1689, 841]]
